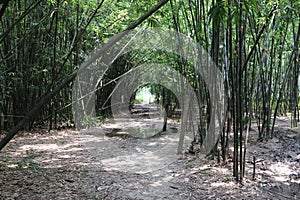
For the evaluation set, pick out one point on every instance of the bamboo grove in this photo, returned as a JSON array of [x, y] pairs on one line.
[[254, 43]]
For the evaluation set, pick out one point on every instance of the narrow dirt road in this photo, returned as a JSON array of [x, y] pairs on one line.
[[148, 157]]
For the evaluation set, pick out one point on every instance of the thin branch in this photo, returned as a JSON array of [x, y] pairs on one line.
[[27, 11], [258, 37], [4, 6]]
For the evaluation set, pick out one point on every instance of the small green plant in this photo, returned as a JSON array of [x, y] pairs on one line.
[[34, 166], [89, 121], [192, 159], [226, 178], [31, 165], [205, 174]]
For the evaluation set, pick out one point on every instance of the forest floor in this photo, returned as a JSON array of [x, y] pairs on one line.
[[110, 162]]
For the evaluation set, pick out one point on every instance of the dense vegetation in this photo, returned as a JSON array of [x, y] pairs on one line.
[[254, 43]]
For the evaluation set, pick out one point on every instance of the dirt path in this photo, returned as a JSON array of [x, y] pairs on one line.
[[145, 162], [91, 165]]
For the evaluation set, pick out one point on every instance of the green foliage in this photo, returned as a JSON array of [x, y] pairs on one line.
[[226, 178], [192, 159], [144, 95], [218, 11], [90, 122], [30, 165]]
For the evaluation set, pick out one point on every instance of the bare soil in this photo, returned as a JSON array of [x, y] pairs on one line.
[[100, 164]]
